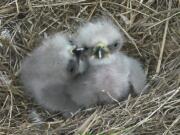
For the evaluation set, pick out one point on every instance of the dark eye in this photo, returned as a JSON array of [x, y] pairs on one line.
[[115, 44], [71, 42], [86, 48]]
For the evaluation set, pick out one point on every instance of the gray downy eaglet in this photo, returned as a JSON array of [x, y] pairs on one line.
[[48, 71], [110, 73]]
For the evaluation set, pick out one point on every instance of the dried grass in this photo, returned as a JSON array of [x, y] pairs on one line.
[[152, 29]]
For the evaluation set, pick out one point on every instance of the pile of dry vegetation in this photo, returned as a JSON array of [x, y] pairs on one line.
[[152, 30]]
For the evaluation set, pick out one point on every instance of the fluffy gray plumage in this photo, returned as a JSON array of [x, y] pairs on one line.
[[110, 76], [46, 73], [59, 81]]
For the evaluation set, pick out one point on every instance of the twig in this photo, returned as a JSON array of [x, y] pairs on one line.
[[83, 129], [17, 6], [164, 40], [147, 118]]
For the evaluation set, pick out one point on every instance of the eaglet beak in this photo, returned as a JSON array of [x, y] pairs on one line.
[[101, 50], [78, 51]]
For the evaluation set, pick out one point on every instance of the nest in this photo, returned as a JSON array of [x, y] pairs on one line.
[[152, 31]]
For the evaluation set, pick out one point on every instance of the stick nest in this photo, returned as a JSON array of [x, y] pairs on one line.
[[152, 31]]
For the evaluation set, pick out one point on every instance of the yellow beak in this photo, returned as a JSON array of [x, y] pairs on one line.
[[101, 50]]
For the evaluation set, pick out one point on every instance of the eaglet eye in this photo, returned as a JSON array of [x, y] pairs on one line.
[[115, 44], [86, 48]]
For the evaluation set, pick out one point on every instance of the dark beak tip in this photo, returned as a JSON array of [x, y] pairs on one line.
[[76, 52]]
